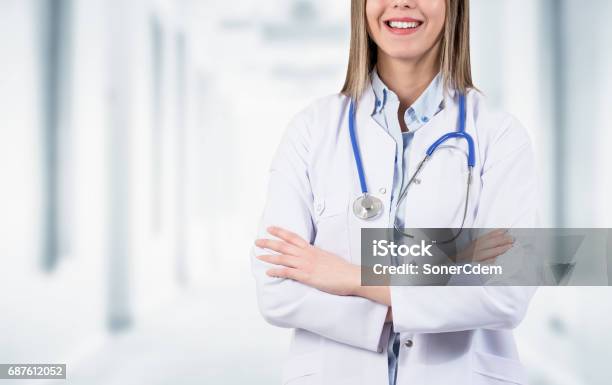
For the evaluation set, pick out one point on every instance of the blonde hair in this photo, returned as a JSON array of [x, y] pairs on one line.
[[455, 62]]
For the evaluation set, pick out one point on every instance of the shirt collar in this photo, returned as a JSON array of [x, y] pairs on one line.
[[421, 111]]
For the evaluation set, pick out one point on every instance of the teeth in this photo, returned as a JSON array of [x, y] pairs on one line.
[[403, 24]]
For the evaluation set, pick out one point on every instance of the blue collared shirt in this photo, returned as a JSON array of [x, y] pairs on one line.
[[421, 112], [385, 113]]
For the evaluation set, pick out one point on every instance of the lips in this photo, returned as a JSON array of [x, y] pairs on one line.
[[403, 26]]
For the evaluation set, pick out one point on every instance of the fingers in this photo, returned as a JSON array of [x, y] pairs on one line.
[[492, 235], [491, 245], [488, 254], [290, 243], [496, 232], [280, 247], [288, 236], [282, 260], [288, 273], [493, 239]]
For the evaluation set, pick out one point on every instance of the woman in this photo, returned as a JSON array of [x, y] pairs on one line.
[[409, 72]]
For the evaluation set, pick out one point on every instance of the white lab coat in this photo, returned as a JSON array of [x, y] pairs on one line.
[[459, 335]]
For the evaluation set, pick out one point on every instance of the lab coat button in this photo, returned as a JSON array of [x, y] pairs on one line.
[[383, 190], [320, 206], [408, 343]]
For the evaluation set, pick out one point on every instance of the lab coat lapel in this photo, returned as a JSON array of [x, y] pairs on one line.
[[377, 150]]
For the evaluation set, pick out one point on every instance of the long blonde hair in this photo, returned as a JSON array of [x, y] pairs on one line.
[[455, 62]]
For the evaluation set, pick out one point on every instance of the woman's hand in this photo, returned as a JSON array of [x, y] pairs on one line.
[[300, 261], [487, 247]]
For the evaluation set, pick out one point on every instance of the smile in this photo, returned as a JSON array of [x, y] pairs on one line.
[[403, 27]]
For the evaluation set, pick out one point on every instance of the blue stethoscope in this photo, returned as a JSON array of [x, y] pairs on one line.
[[369, 207]]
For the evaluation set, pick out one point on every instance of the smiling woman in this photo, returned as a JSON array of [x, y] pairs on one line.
[[408, 83], [383, 23], [444, 41]]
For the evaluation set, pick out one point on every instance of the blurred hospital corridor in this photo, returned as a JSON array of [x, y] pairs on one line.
[[184, 343], [136, 139]]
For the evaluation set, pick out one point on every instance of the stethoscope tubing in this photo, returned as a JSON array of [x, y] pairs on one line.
[[459, 134], [356, 151]]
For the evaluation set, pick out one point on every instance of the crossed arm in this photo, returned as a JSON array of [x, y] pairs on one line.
[[300, 261]]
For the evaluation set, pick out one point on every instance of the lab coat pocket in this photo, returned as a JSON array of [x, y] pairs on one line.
[[489, 369], [441, 188], [331, 223], [330, 205], [301, 367]]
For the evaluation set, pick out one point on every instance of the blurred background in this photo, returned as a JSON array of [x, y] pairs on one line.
[[135, 141]]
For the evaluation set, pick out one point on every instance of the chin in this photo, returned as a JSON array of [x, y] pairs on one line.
[[403, 54]]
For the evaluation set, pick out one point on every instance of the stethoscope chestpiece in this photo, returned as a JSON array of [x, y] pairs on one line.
[[367, 207]]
